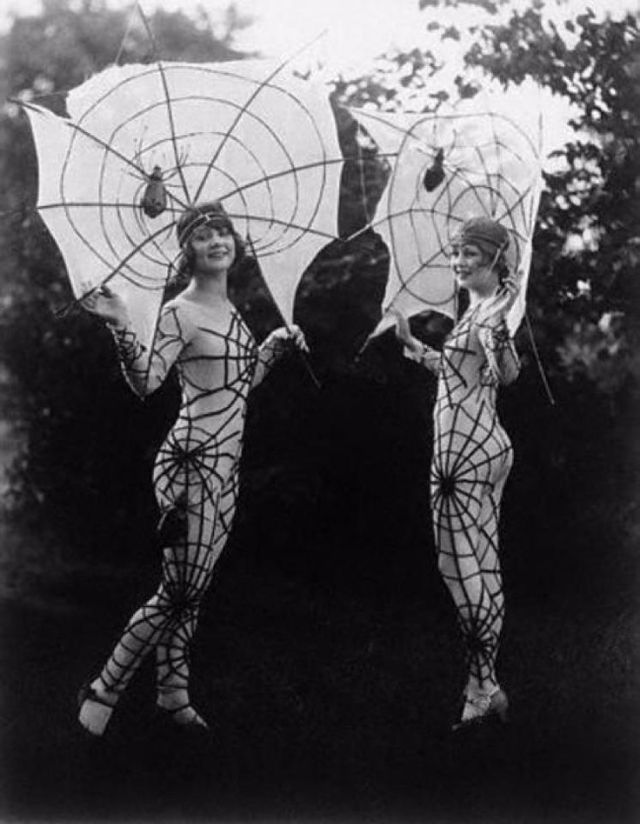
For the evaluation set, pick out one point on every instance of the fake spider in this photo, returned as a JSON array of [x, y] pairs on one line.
[[435, 174], [154, 198]]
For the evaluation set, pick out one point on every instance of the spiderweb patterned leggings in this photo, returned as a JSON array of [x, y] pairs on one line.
[[471, 462], [196, 520]]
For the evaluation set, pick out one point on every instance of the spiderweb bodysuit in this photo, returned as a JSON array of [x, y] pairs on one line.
[[195, 475], [471, 461]]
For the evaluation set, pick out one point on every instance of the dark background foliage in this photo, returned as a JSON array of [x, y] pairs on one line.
[[334, 516], [87, 443]]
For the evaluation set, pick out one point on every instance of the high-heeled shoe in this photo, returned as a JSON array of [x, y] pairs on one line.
[[94, 719], [195, 722], [479, 709]]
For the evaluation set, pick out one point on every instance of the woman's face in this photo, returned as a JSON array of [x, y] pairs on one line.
[[214, 248], [472, 268]]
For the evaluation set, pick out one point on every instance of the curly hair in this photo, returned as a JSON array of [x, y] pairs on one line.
[[210, 213]]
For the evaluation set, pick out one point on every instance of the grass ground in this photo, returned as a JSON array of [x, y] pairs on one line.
[[327, 704]]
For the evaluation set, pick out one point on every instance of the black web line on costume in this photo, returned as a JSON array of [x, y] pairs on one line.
[[196, 483], [480, 610], [466, 478]]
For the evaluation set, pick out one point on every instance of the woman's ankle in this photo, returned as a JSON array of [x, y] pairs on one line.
[[486, 688], [172, 699], [102, 693]]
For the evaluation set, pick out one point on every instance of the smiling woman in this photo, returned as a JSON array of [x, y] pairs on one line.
[[212, 247], [477, 256], [472, 454], [207, 239], [196, 468]]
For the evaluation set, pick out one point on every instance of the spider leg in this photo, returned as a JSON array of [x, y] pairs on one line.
[[137, 176], [169, 174]]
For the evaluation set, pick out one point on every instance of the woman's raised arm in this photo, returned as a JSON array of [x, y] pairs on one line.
[[500, 351], [144, 370], [495, 337]]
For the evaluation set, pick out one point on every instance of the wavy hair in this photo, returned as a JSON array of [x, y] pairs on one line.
[[211, 213]]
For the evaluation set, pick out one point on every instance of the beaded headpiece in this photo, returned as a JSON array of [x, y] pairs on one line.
[[209, 213], [490, 235]]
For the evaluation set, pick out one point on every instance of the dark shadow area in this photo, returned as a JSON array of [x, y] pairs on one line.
[[328, 657]]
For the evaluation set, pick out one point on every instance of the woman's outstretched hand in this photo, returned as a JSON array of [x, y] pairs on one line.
[[403, 331], [105, 304], [291, 334]]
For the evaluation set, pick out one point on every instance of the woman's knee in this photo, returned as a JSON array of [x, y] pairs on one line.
[[172, 527], [447, 565], [179, 598]]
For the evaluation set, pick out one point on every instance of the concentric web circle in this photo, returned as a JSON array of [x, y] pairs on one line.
[[480, 178], [192, 134], [446, 168]]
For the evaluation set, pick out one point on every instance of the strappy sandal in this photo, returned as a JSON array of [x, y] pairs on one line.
[[486, 708]]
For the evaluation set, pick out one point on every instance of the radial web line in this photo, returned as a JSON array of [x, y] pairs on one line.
[[261, 85], [172, 130]]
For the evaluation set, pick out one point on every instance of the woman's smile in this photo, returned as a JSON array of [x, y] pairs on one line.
[[218, 252], [213, 246], [471, 269]]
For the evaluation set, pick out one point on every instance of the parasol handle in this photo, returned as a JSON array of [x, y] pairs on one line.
[[362, 348], [538, 359], [305, 360]]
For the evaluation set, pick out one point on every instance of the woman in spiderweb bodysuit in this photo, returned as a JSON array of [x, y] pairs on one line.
[[472, 453], [196, 469]]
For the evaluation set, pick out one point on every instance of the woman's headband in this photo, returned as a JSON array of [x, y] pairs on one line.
[[204, 214], [484, 232]]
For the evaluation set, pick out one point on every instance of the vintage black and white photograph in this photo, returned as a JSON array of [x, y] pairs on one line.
[[319, 383]]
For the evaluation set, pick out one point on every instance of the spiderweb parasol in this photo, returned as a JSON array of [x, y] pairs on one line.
[[143, 142], [483, 158]]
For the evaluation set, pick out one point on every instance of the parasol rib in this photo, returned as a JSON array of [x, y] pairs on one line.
[[172, 130]]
